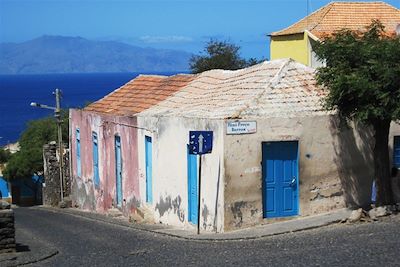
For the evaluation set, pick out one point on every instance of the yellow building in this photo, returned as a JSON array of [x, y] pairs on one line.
[[296, 41]]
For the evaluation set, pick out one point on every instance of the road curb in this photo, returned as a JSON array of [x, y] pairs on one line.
[[26, 257], [223, 237]]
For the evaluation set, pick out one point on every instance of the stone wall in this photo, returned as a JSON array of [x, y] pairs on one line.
[[7, 229], [51, 187]]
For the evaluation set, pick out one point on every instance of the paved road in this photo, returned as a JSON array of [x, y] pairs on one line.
[[85, 242]]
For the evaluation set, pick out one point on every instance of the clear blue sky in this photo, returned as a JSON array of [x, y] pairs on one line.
[[185, 24]]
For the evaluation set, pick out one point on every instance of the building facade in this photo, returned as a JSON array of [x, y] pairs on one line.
[[297, 40], [275, 152]]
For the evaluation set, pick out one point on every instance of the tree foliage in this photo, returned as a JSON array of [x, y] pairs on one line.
[[29, 159], [219, 55], [362, 78], [4, 155]]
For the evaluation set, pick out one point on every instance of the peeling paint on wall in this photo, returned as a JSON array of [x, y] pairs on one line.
[[168, 204], [170, 179], [176, 203], [253, 170], [237, 212], [205, 214], [164, 205], [101, 198]]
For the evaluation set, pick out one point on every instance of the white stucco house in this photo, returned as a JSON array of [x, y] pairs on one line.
[[275, 154]]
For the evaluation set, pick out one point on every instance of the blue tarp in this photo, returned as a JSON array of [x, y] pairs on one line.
[[5, 192]]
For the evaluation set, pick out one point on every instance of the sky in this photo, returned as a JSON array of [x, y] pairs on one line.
[[183, 25]]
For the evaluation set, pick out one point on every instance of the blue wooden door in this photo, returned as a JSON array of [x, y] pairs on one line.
[[118, 169], [78, 153], [192, 187], [96, 175], [149, 169], [396, 152], [280, 179]]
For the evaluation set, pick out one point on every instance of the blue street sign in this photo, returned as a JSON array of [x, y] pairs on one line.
[[200, 142]]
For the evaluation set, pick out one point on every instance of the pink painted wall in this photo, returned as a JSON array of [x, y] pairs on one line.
[[103, 197]]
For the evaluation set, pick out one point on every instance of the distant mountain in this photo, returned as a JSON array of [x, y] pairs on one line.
[[58, 54]]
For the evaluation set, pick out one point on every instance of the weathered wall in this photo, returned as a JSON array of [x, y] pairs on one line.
[[51, 188], [103, 197], [332, 160], [170, 137], [7, 228]]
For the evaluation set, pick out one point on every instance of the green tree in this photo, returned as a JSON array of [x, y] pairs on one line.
[[362, 78], [4, 155], [29, 159], [219, 55]]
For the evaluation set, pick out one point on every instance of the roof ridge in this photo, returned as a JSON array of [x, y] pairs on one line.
[[318, 16], [329, 7], [164, 76], [252, 68], [305, 18], [230, 71], [270, 84], [362, 2], [151, 75], [353, 2]]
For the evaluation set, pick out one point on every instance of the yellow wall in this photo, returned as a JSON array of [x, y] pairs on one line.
[[293, 46]]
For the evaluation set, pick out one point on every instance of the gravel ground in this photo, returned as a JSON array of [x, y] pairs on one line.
[[86, 242]]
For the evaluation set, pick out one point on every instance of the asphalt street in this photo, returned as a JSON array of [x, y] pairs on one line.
[[81, 241]]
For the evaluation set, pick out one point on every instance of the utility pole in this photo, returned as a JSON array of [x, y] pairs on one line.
[[57, 115]]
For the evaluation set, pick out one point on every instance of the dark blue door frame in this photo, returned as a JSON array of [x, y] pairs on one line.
[[396, 151], [280, 179]]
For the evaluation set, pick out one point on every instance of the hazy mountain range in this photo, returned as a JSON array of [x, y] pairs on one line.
[[58, 54]]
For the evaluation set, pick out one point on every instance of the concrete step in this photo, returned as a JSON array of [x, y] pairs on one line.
[[143, 214], [114, 213]]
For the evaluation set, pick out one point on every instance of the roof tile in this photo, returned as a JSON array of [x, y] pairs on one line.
[[350, 15], [140, 94], [273, 88]]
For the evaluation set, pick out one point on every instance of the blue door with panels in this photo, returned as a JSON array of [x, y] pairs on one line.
[[118, 169], [149, 169], [96, 174], [192, 187], [396, 152], [280, 179], [78, 153]]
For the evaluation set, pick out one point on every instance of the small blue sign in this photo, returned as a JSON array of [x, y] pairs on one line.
[[200, 142]]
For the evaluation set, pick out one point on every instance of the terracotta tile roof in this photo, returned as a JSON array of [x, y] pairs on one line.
[[278, 88], [140, 94], [350, 15]]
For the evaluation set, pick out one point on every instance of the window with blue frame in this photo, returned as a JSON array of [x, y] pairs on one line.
[[96, 175], [149, 169], [396, 152], [78, 153]]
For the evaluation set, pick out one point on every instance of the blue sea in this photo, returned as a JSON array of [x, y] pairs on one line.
[[18, 91]]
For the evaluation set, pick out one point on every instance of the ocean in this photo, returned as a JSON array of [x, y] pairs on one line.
[[18, 91]]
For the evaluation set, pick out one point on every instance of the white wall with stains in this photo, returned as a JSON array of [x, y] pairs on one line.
[[170, 137]]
